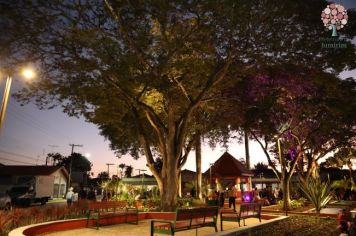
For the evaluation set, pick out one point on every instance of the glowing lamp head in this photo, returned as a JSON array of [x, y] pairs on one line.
[[28, 73]]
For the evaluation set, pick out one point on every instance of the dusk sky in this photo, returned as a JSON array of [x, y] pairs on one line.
[[28, 134]]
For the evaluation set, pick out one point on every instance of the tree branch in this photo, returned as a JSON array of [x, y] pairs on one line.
[[214, 78], [188, 148], [270, 162]]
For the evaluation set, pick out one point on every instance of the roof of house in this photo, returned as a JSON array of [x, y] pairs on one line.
[[30, 170], [140, 176], [228, 166], [266, 173]]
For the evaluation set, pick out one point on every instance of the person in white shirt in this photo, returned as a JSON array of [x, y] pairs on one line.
[[70, 196]]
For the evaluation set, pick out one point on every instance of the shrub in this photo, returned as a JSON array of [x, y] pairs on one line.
[[151, 204], [185, 202]]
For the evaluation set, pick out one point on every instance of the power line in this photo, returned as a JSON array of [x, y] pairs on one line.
[[19, 155], [37, 122], [21, 162], [30, 124]]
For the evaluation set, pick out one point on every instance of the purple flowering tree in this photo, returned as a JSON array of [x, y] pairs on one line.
[[308, 113]]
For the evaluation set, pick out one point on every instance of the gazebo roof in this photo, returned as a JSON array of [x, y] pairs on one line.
[[227, 166]]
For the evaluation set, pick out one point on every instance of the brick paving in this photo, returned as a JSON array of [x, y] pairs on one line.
[[143, 229]]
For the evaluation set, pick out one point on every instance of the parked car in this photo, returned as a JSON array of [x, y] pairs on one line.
[[5, 201]]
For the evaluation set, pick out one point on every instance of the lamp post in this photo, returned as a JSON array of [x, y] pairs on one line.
[[211, 164], [28, 74], [143, 176]]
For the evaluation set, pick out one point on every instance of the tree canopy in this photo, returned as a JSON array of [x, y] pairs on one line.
[[77, 160], [140, 70]]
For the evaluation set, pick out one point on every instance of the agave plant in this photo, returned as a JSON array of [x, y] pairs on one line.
[[317, 192]]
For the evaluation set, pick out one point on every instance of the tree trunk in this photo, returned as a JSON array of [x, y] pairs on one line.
[[286, 193], [198, 167], [247, 150], [169, 187]]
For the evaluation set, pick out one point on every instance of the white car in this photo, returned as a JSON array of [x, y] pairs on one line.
[[5, 201]]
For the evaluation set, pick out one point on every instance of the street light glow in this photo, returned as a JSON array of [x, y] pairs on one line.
[[28, 73]]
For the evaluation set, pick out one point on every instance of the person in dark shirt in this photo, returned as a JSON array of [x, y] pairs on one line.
[[82, 194], [91, 195], [221, 198], [193, 192]]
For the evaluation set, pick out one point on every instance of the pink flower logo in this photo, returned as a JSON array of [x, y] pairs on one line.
[[334, 17]]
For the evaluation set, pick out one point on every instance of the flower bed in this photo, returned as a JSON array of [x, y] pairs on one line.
[[301, 225]]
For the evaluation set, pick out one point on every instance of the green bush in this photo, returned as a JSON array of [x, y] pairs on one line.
[[152, 204], [185, 202], [295, 204]]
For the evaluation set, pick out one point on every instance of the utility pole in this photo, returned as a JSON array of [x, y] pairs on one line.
[[71, 162], [109, 164]]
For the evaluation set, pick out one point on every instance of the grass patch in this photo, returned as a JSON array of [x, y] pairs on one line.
[[56, 200]]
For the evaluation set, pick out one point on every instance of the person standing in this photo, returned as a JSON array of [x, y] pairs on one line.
[[232, 197], [256, 195], [69, 197], [91, 194], [221, 198]]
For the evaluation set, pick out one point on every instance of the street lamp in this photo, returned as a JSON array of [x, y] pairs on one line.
[[211, 164], [143, 176], [27, 73]]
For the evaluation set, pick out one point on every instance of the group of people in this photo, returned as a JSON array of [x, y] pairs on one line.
[[267, 196], [73, 196], [230, 193]]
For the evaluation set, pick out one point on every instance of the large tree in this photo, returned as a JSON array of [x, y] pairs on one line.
[[301, 116], [139, 70]]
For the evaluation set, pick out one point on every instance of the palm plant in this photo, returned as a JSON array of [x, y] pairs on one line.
[[317, 192]]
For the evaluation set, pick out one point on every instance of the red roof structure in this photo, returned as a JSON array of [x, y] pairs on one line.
[[30, 170], [228, 167]]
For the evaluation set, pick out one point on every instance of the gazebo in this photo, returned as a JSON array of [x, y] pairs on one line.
[[227, 168]]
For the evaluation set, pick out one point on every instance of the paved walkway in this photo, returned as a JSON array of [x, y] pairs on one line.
[[143, 229]]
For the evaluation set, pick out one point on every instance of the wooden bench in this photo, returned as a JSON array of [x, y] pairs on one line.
[[100, 210], [186, 219], [247, 210]]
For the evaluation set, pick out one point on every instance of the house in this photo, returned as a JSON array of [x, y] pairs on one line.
[[22, 175], [141, 180], [265, 178]]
